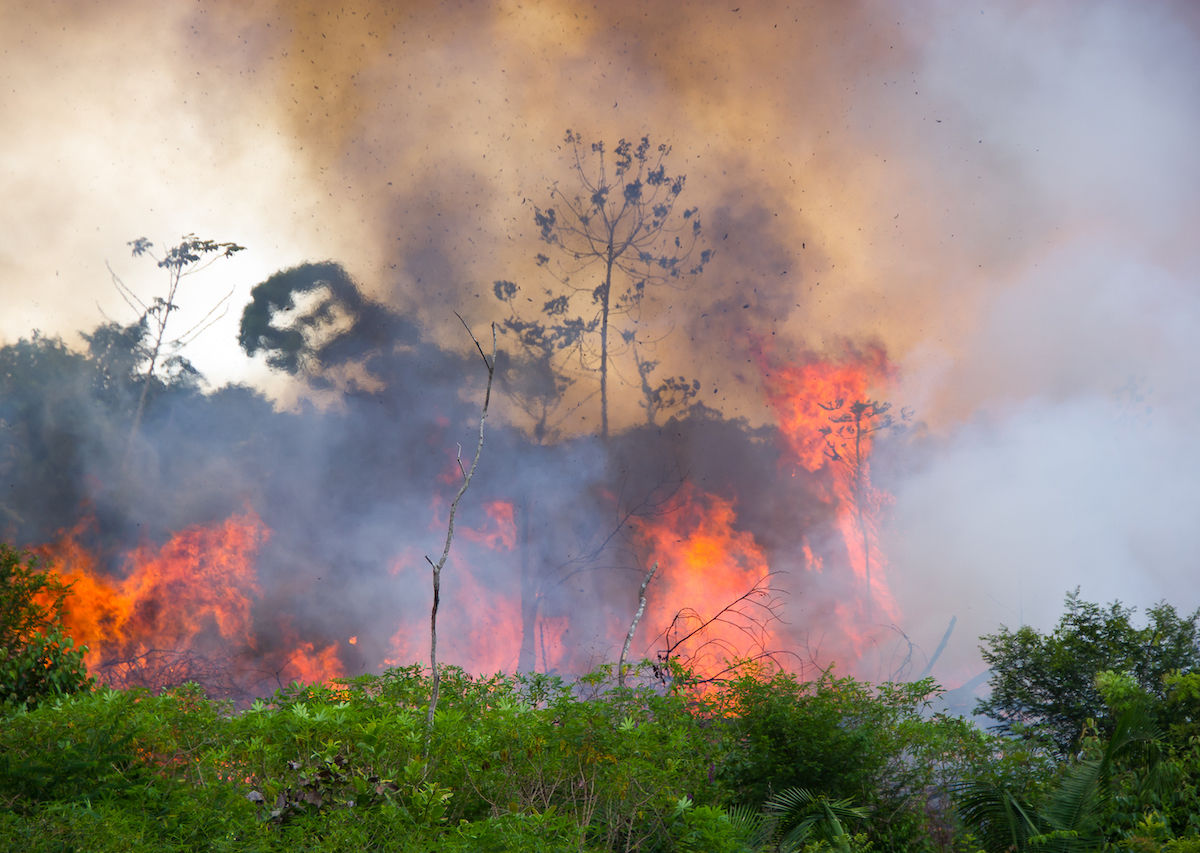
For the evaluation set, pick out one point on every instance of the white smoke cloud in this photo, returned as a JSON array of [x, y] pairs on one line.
[[1066, 405]]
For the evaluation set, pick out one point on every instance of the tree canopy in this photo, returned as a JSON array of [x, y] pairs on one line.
[[1045, 685]]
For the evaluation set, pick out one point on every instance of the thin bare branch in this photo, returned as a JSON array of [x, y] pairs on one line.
[[437, 567], [205, 323]]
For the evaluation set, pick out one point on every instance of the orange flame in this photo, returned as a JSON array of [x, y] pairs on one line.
[[197, 585], [802, 394], [307, 665], [177, 612], [709, 600], [501, 532], [478, 626], [823, 407]]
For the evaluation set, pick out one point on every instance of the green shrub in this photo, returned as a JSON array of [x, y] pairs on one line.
[[37, 661], [705, 829], [875, 745]]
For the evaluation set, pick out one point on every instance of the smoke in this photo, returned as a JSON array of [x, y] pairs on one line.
[[1075, 468], [1003, 196], [1066, 409]]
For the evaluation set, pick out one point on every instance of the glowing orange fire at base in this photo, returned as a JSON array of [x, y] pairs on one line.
[[709, 602], [178, 612], [198, 584], [479, 627], [308, 665]]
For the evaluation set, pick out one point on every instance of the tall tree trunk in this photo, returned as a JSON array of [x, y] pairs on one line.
[[860, 495], [604, 308], [155, 351]]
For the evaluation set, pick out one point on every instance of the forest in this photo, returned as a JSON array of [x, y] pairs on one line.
[[655, 624], [187, 737]]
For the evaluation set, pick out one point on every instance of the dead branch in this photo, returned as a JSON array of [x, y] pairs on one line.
[[637, 617], [941, 647], [437, 567], [748, 614]]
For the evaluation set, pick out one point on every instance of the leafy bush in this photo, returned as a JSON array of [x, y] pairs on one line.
[[37, 661], [707, 829], [1045, 685], [879, 747], [526, 762]]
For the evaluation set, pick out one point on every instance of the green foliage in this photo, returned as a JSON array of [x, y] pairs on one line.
[[37, 661], [799, 815], [765, 762], [616, 764], [533, 762], [1117, 705], [1046, 687], [845, 740], [1183, 705], [707, 829], [1075, 813]]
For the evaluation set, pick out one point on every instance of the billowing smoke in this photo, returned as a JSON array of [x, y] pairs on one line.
[[1004, 197]]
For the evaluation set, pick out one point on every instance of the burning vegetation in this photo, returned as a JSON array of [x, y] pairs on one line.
[[231, 543], [546, 561]]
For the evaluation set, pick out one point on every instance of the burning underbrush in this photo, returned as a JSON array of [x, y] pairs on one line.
[[764, 538], [180, 612]]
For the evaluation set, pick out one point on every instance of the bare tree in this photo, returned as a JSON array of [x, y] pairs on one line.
[[467, 474], [616, 233], [189, 257]]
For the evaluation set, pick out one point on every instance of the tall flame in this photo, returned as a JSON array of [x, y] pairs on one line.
[[198, 584], [828, 421], [478, 626]]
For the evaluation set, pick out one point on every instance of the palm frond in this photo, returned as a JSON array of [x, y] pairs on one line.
[[999, 820], [798, 814], [750, 824]]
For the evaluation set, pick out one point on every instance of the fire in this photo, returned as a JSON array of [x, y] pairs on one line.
[[178, 612], [307, 665], [183, 611], [828, 421], [709, 601], [197, 586], [500, 534], [478, 624], [478, 628], [802, 395]]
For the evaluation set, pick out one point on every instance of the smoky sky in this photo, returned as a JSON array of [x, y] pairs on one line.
[[1003, 194]]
